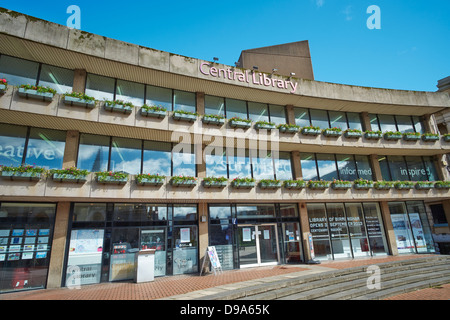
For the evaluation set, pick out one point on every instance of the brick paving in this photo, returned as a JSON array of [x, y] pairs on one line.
[[176, 285]]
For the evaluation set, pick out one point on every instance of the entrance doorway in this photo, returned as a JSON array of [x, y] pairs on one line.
[[258, 245]]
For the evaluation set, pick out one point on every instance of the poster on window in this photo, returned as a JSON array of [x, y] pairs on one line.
[[402, 232], [417, 230], [185, 235]]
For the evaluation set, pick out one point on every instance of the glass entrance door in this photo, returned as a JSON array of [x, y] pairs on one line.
[[258, 245]]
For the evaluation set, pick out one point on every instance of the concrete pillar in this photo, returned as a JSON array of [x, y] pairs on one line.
[[203, 238], [290, 116], [388, 228], [365, 121], [297, 166], [56, 265], [304, 226], [428, 123], [71, 149], [376, 169], [200, 102], [79, 81], [440, 163], [446, 206]]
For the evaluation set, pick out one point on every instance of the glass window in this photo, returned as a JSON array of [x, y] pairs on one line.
[[357, 229], [12, 144], [84, 212], [397, 168], [354, 121], [57, 78], [101, 88], [46, 148], [130, 92], [318, 227], [255, 211], [157, 96], [416, 169], [301, 117], [418, 125], [327, 167], [150, 212], [346, 167], [157, 158], [421, 230], [308, 165], [373, 118], [431, 169], [258, 111], [183, 100], [18, 71], [283, 166], [214, 105], [183, 160], [364, 167], [387, 122], [262, 165], [401, 226], [125, 244], [385, 173], [185, 253], [236, 108], [239, 163], [404, 124], [338, 119], [277, 114], [124, 212], [219, 212], [375, 230], [216, 163], [292, 246], [338, 230], [288, 210], [93, 153], [319, 118], [126, 155]]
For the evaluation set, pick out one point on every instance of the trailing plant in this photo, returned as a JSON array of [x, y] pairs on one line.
[[178, 179], [80, 96], [429, 134], [362, 182], [240, 119], [353, 130], [186, 112], [406, 184], [39, 89], [393, 133], [154, 108], [117, 175], [318, 184], [215, 179], [214, 116], [297, 183], [311, 128], [4, 82], [269, 181], [120, 102], [424, 184], [23, 169], [383, 184], [412, 134], [373, 132], [442, 184], [334, 129], [288, 126], [74, 171], [264, 123], [148, 176], [243, 180]]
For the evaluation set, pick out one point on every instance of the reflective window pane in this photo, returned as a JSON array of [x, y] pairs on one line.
[[318, 226], [397, 168], [216, 163], [354, 121], [185, 256], [214, 105], [373, 118], [219, 212], [262, 164], [18, 71], [46, 148], [12, 144], [236, 108], [157, 158], [157, 96], [83, 212], [57, 78], [258, 111], [283, 166], [301, 117], [346, 167], [431, 169], [308, 165], [357, 229], [401, 226], [319, 118], [418, 125], [130, 92], [277, 114], [404, 124], [385, 173], [416, 169], [185, 101], [364, 167], [255, 211], [126, 155], [375, 230], [327, 167], [338, 231], [387, 122], [99, 87], [421, 230], [93, 153], [338, 120], [239, 163], [183, 160]]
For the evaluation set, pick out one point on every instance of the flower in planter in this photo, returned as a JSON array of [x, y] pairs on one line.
[[411, 136], [121, 103], [383, 184], [370, 134], [362, 183], [73, 171], [147, 177], [154, 108], [113, 175], [40, 89], [78, 95], [294, 184], [288, 127], [270, 183], [311, 130], [442, 184], [318, 184], [404, 184], [264, 124], [332, 131], [424, 185], [353, 133], [430, 136], [341, 184], [23, 169], [3, 82], [446, 137], [391, 135], [240, 119], [215, 179], [185, 112], [183, 180]]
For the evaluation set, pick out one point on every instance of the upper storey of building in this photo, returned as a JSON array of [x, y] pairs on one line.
[[38, 40]]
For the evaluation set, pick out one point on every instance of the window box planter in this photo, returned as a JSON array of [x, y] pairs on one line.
[[362, 184], [184, 116], [263, 125], [373, 135], [442, 184], [80, 101], [352, 134], [430, 137], [149, 180], [69, 175], [21, 176], [334, 132], [404, 185], [118, 178], [424, 185], [393, 136], [318, 185], [383, 185], [183, 181], [411, 136], [341, 185], [270, 184], [243, 183], [119, 106], [446, 137], [215, 182], [311, 131], [37, 94], [294, 184], [213, 119], [240, 123], [288, 128], [153, 112], [3, 88]]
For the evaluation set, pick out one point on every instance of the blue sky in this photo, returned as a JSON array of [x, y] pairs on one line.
[[410, 52]]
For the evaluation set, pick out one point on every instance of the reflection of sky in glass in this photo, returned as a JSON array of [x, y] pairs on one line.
[[239, 164], [183, 164], [126, 156], [11, 148], [258, 112], [236, 108], [283, 168], [93, 158], [277, 114], [101, 88], [157, 162], [184, 101], [214, 105], [301, 117], [57, 78], [220, 212], [216, 166], [185, 213], [17, 71], [159, 97], [46, 149], [130, 92], [319, 118], [263, 167], [309, 170]]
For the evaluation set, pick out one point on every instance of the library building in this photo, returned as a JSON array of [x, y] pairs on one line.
[[109, 148]]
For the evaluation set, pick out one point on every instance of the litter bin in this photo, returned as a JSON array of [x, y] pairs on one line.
[[145, 266]]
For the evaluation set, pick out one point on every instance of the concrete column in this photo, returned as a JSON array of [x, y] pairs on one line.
[[297, 166], [201, 165], [290, 116], [376, 170], [446, 206], [71, 149], [79, 81], [304, 226], [388, 228], [200, 102], [203, 240], [56, 265], [365, 121], [428, 123], [440, 163]]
